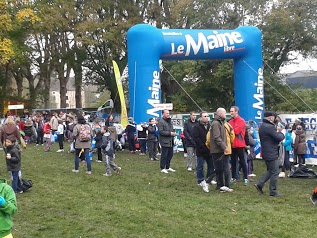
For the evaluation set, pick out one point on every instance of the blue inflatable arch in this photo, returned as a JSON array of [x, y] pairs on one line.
[[147, 45]]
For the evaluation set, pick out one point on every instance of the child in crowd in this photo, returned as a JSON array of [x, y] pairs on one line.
[[299, 145], [142, 134], [60, 136], [107, 146], [152, 139], [130, 131], [47, 135], [287, 143], [251, 154], [13, 161], [98, 138], [8, 206]]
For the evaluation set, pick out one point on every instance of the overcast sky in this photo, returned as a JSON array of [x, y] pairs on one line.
[[300, 64]]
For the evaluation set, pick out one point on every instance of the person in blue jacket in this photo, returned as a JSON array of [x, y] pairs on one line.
[[288, 141]]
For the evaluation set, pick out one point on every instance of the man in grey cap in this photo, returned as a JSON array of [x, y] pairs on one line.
[[270, 137]]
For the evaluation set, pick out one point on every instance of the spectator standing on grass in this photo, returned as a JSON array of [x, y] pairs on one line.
[[189, 141], [13, 161], [39, 124], [142, 134], [220, 149], [108, 150], [152, 139], [47, 135], [250, 151], [54, 123], [60, 136], [238, 146], [270, 137], [300, 145], [203, 156], [82, 134], [29, 131], [166, 138], [288, 141], [130, 130], [98, 137], [159, 150], [8, 207]]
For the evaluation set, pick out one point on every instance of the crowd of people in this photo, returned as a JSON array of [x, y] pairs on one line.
[[227, 147], [216, 150]]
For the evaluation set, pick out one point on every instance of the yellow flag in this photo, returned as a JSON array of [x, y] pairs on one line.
[[124, 115]]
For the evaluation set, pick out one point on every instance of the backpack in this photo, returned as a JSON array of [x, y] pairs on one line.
[[107, 144], [84, 133], [25, 184]]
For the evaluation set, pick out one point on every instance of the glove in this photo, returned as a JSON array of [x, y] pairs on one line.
[[2, 201]]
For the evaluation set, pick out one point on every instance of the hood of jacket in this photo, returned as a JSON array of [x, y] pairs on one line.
[[9, 128]]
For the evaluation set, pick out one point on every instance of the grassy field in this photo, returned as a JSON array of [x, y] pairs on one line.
[[142, 202]]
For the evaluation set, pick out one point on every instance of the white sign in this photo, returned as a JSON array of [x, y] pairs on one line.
[[18, 106], [163, 106]]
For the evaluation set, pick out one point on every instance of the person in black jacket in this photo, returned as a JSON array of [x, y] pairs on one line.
[[166, 138], [152, 139], [203, 155], [189, 142], [270, 137], [98, 139], [13, 161]]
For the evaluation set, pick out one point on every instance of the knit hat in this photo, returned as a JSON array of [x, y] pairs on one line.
[[268, 114]]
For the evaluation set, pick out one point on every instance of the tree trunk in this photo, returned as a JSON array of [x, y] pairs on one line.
[[32, 91], [78, 85], [19, 82], [63, 80]]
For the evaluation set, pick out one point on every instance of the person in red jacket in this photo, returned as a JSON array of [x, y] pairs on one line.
[[47, 135], [238, 146]]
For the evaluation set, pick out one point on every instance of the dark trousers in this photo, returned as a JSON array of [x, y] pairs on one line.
[[183, 142], [301, 158], [166, 157], [286, 165], [131, 145], [238, 154], [221, 165], [142, 143], [39, 138], [61, 141], [272, 175], [99, 154], [152, 148]]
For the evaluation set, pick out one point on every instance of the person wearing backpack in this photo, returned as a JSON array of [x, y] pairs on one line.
[[82, 134]]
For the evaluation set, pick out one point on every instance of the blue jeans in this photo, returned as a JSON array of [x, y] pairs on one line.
[[87, 159], [200, 168], [15, 181]]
